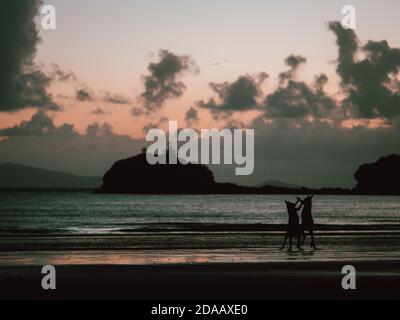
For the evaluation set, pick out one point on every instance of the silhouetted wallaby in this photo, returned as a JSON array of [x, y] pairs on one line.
[[307, 221], [293, 228]]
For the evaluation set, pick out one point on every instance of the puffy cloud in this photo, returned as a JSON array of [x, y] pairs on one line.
[[150, 126], [58, 74], [137, 112], [298, 100], [39, 125], [294, 62], [162, 83], [294, 99], [112, 98], [192, 116], [240, 95], [320, 81], [96, 129], [84, 94], [155, 125], [100, 112], [22, 83], [371, 83]]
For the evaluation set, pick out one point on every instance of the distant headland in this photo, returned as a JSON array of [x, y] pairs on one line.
[[379, 178], [135, 176]]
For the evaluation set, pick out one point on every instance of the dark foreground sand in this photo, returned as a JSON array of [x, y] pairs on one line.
[[225, 282], [200, 266]]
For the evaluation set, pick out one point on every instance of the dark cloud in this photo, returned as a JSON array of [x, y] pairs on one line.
[[162, 83], [192, 116], [294, 99], [39, 125], [240, 95], [371, 83], [149, 127], [347, 43], [58, 74], [320, 81], [163, 120], [84, 94], [100, 112], [22, 83], [294, 62], [155, 125], [261, 77], [298, 100], [235, 124], [96, 130], [137, 112], [109, 97]]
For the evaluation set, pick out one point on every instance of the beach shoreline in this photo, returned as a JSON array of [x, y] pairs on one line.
[[360, 237], [200, 266]]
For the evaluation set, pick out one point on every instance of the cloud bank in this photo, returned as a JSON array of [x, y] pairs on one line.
[[40, 143]]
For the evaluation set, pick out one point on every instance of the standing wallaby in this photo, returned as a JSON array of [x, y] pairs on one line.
[[307, 221], [293, 228]]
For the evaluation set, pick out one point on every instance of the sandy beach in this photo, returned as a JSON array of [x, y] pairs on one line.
[[201, 265]]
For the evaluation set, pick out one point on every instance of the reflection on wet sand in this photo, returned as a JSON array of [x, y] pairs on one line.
[[198, 256]]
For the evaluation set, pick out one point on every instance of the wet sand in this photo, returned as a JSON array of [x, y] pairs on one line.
[[375, 280], [206, 265]]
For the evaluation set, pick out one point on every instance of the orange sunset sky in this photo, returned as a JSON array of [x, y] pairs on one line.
[[109, 45], [133, 65]]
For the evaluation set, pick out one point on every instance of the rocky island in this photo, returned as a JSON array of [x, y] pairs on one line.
[[136, 176]]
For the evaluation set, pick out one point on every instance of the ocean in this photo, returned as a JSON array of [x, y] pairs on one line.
[[46, 212]]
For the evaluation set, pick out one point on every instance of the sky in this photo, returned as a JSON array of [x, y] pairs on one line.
[[116, 68]]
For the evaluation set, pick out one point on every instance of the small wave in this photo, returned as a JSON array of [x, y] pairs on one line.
[[190, 227]]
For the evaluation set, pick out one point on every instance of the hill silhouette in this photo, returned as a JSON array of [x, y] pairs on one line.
[[379, 178], [14, 176], [135, 176]]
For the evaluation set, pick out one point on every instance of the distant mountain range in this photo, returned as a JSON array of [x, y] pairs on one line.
[[279, 184], [14, 176]]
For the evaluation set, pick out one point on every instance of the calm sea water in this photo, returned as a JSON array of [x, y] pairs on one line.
[[85, 212]]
